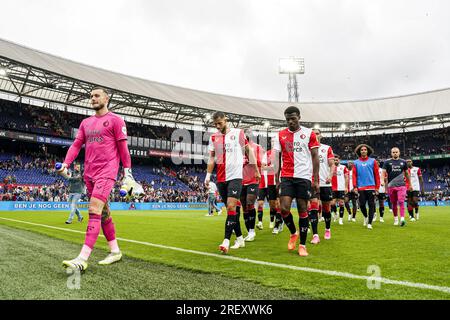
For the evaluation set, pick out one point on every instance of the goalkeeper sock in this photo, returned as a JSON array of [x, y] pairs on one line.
[[110, 234], [92, 232]]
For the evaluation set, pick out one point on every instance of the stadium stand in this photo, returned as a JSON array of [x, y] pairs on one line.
[[415, 123]]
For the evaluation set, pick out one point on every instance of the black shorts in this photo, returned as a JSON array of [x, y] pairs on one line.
[[381, 196], [338, 194], [351, 196], [250, 189], [232, 189], [412, 194], [263, 193], [325, 194], [269, 193], [297, 188]]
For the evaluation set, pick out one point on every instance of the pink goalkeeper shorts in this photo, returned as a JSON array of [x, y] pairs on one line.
[[99, 188]]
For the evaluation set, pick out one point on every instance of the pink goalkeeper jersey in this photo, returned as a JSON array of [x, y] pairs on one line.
[[100, 135]]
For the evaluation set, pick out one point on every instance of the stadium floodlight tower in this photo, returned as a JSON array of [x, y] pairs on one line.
[[292, 66]]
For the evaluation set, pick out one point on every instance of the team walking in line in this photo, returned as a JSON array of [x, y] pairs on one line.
[[298, 166]]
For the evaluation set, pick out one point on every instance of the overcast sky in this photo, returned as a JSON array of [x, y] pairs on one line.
[[355, 49]]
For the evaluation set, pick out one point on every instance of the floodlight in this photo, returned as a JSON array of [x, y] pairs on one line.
[[266, 124], [3, 72], [343, 126], [316, 126], [291, 65]]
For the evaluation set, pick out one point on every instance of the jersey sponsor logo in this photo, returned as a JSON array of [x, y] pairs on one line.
[[233, 137], [234, 192], [124, 130], [321, 158], [284, 137], [303, 136], [94, 136], [106, 123], [294, 146], [229, 147]]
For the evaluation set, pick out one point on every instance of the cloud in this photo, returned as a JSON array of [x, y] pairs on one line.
[[352, 49]]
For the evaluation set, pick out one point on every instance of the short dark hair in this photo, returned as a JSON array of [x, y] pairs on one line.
[[337, 156], [218, 115], [106, 91], [317, 129], [292, 109]]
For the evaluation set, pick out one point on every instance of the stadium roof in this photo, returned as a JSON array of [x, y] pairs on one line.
[[32, 73]]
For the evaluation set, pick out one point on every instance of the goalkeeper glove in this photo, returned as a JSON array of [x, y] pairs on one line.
[[130, 188]]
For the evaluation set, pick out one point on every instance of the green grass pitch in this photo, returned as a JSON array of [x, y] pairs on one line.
[[32, 254]]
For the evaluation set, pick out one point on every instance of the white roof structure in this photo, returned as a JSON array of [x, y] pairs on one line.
[[19, 59]]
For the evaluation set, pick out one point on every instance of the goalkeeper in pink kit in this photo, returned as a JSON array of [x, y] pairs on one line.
[[105, 138]]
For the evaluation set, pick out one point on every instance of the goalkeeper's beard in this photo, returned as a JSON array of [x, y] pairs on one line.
[[98, 107]]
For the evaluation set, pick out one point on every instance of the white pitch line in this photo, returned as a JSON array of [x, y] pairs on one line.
[[265, 263]]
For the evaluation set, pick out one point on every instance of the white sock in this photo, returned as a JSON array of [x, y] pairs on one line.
[[85, 253]]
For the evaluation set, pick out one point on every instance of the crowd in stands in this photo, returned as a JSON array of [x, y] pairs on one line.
[[410, 144], [161, 184], [28, 118], [55, 192], [174, 183]]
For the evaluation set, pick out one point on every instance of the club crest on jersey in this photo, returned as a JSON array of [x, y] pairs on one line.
[[303, 136], [233, 138], [124, 130], [106, 123]]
